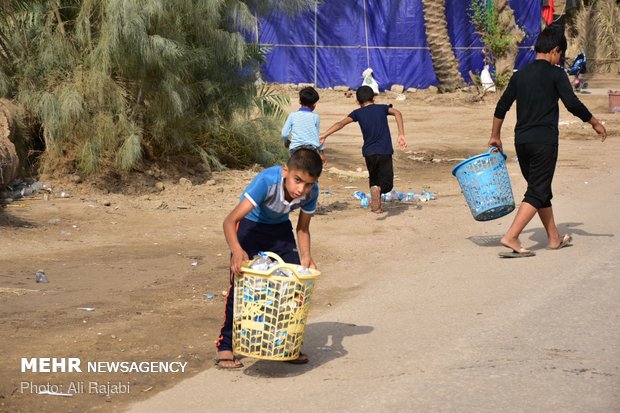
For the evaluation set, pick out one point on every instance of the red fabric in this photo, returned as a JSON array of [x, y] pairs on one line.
[[547, 13]]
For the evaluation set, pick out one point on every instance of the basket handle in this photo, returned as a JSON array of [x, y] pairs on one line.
[[274, 256], [495, 149]]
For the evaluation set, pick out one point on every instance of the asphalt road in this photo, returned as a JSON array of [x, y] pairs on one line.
[[438, 323]]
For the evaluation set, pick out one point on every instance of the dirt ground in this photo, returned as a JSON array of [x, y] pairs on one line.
[[138, 274]]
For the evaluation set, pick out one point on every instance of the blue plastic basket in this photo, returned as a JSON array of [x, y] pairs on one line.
[[486, 185]]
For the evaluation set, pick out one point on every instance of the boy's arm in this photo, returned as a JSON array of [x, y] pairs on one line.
[[317, 125], [286, 129], [496, 131], [238, 255], [576, 107], [335, 128], [502, 107], [402, 141], [303, 239]]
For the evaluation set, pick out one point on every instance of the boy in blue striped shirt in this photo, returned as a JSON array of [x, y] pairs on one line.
[[260, 222], [301, 129]]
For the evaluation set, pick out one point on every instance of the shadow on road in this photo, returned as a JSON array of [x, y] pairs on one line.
[[486, 240], [323, 343], [537, 235], [8, 220]]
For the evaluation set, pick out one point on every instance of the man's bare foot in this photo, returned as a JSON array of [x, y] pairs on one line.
[[565, 241], [514, 245]]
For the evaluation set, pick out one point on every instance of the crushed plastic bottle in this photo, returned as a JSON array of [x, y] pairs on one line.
[[303, 270], [393, 195], [412, 197], [363, 198], [40, 277], [283, 272], [261, 262]]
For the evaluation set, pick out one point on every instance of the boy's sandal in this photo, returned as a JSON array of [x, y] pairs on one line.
[[236, 364]]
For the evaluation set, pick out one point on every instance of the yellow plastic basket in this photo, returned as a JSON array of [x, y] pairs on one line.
[[270, 311]]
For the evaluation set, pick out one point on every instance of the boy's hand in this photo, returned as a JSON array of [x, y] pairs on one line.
[[308, 262], [402, 142], [496, 141], [322, 139], [600, 129], [236, 258]]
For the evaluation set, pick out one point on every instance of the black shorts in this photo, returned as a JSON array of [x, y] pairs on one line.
[[380, 171], [537, 162]]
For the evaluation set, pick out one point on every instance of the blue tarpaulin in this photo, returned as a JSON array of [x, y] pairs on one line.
[[333, 44]]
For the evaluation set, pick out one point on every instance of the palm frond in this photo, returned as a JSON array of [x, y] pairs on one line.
[[271, 104]]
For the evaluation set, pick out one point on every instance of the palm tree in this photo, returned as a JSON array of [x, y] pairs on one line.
[[445, 63]]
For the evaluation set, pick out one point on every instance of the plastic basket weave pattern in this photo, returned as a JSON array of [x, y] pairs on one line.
[[270, 311], [485, 183]]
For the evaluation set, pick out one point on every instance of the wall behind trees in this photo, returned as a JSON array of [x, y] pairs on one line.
[[332, 44]]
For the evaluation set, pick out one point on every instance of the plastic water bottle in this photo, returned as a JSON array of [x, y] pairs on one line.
[[303, 270], [362, 197], [261, 262], [283, 272], [412, 197], [40, 277]]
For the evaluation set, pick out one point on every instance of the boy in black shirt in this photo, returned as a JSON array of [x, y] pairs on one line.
[[537, 89]]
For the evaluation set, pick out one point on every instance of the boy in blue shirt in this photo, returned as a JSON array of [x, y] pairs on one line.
[[377, 148], [301, 129], [260, 222]]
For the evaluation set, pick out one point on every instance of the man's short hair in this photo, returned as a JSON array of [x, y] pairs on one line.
[[364, 94], [549, 39], [306, 160], [308, 96]]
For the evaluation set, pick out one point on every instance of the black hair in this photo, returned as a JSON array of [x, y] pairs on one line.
[[308, 96], [306, 160], [549, 39], [364, 94]]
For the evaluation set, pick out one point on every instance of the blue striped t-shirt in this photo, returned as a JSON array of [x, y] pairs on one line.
[[266, 193], [302, 127]]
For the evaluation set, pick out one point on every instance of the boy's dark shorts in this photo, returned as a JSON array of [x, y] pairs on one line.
[[537, 162], [380, 171], [317, 149]]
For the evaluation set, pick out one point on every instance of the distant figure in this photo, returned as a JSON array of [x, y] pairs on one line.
[[537, 89], [369, 80], [487, 81], [301, 129], [377, 148]]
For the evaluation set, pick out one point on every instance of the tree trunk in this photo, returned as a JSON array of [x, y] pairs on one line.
[[9, 162], [445, 64], [505, 64]]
